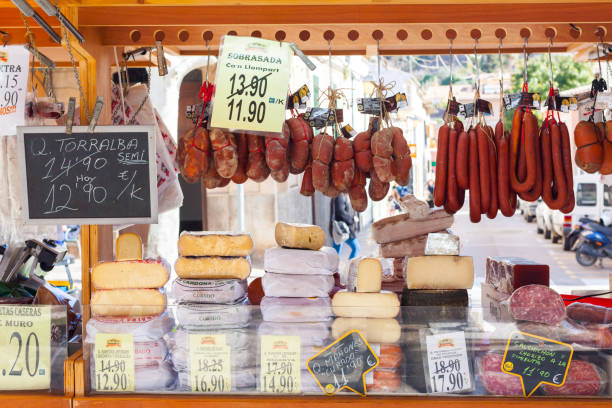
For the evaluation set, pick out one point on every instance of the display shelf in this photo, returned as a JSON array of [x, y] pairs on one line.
[[35, 400]]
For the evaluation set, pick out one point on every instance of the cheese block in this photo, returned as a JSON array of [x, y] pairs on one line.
[[373, 330], [212, 267], [440, 272], [206, 243], [401, 226], [413, 207], [406, 247], [354, 304], [325, 261], [129, 247], [298, 310], [199, 316], [442, 244], [128, 302], [129, 275], [297, 286], [209, 290], [439, 305], [300, 236], [506, 274], [365, 275]]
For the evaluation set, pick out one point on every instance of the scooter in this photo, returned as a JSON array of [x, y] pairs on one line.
[[585, 224], [593, 245]]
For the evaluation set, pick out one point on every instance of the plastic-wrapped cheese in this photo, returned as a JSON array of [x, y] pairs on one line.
[[161, 378], [147, 354], [129, 275], [440, 272], [297, 261], [235, 338], [207, 243], [365, 275], [374, 330], [378, 305], [295, 310], [300, 236], [209, 290], [311, 334], [442, 244], [128, 302], [297, 286], [240, 358], [212, 267], [197, 316], [145, 328], [129, 247]]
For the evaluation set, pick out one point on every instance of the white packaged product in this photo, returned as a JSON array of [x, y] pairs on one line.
[[301, 262], [242, 379], [209, 290], [194, 316], [147, 354], [311, 334], [295, 310], [309, 384], [240, 358], [235, 338], [160, 378], [283, 285], [146, 328]]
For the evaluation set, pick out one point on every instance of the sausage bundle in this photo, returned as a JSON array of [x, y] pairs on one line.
[[590, 145]]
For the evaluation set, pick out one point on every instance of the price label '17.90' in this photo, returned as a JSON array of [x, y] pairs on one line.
[[114, 362], [25, 345], [251, 85], [449, 370], [280, 364], [209, 363]]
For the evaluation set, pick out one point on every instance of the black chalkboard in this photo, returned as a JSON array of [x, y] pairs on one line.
[[536, 360], [108, 177], [343, 364]]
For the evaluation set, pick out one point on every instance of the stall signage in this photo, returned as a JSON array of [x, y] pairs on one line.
[[252, 85], [280, 364], [209, 363], [449, 369], [536, 360], [343, 364], [114, 362], [25, 345], [14, 68], [108, 177]]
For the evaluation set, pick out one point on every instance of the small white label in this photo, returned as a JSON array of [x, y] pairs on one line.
[[449, 371]]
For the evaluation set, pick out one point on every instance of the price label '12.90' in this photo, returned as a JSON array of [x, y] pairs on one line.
[[25, 345], [209, 363], [280, 364], [114, 360], [251, 85]]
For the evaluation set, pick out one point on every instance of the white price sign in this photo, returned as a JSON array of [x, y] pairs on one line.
[[449, 370], [14, 68]]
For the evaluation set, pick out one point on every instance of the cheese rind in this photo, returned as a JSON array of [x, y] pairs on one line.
[[374, 330], [414, 207], [128, 302], [129, 247], [355, 304], [440, 305], [300, 236], [365, 275], [440, 272], [214, 244], [402, 226], [414, 246], [442, 244], [129, 275], [212, 267]]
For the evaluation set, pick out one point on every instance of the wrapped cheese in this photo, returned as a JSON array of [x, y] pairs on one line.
[[212, 267], [207, 243], [144, 328], [128, 302], [130, 275], [150, 354], [294, 286], [442, 244], [235, 338], [209, 290], [197, 316], [311, 334], [297, 261], [295, 310], [300, 236], [240, 358], [153, 379]]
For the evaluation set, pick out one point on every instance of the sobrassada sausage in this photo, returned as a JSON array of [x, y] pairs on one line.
[[301, 137], [281, 175], [474, 178], [589, 150], [536, 190], [240, 176], [322, 152], [441, 166], [529, 133], [503, 179], [363, 152], [377, 189], [343, 166], [452, 197], [462, 168], [307, 189], [483, 165], [382, 155], [224, 152], [494, 205], [554, 186], [401, 155], [568, 170], [606, 166], [357, 192], [192, 154], [277, 146], [257, 169]]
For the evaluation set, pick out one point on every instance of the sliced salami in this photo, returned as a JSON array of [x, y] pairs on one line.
[[583, 378], [537, 303], [494, 380]]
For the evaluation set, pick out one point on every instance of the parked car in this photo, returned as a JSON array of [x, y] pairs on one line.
[[527, 209], [543, 219]]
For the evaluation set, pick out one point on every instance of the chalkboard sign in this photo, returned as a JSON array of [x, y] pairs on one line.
[[108, 177], [343, 364], [536, 360]]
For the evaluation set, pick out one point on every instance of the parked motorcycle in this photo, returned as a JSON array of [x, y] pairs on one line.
[[585, 224], [593, 243]]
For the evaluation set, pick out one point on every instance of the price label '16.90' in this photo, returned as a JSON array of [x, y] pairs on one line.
[[25, 345], [209, 363], [251, 85], [114, 360]]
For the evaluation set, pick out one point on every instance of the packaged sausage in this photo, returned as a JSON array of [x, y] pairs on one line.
[[325, 261], [294, 286], [583, 378], [295, 310], [220, 291]]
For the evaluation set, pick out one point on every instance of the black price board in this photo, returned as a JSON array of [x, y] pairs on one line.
[[536, 360], [343, 364], [108, 177]]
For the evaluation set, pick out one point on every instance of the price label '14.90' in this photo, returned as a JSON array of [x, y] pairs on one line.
[[114, 360], [209, 363], [251, 85], [25, 345], [449, 370], [280, 364]]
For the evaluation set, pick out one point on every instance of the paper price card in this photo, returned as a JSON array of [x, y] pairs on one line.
[[252, 85], [280, 364], [209, 363], [25, 345], [114, 362], [536, 360], [14, 68], [449, 370]]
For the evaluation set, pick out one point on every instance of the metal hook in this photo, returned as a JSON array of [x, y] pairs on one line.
[[552, 78], [378, 57], [207, 59], [330, 62], [525, 60], [451, 66], [477, 65]]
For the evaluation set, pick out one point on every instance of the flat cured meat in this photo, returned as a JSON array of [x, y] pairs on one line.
[[494, 380], [538, 304], [583, 378]]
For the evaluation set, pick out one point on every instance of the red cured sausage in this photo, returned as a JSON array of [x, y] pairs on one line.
[[441, 166], [583, 378], [463, 151], [567, 167], [377, 189], [257, 169], [277, 147], [606, 166], [307, 189], [193, 151], [382, 155], [536, 191], [552, 167], [529, 133], [322, 152], [240, 175], [503, 179], [483, 165], [357, 192], [474, 178], [401, 155], [588, 313], [363, 153], [538, 304], [299, 149], [343, 166], [494, 206], [225, 153], [589, 150], [452, 197], [515, 138]]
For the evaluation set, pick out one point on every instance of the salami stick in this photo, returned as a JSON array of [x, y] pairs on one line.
[[474, 178], [452, 198], [483, 165], [552, 167], [567, 166], [441, 166], [494, 206], [463, 151]]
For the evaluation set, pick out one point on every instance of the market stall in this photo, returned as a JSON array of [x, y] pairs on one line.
[[141, 344]]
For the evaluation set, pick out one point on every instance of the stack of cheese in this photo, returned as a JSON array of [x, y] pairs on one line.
[[299, 276], [373, 312], [128, 299], [211, 293], [405, 235]]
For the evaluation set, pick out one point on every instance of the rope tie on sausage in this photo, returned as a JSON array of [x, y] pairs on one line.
[[332, 96], [381, 89]]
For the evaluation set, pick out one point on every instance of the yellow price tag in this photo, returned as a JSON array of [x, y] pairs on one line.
[[252, 85], [280, 364], [114, 362], [25, 344], [209, 363]]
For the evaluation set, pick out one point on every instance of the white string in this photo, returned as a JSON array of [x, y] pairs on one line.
[[125, 122]]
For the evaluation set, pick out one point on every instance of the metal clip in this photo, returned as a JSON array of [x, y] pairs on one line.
[[70, 115], [41, 57], [96, 114], [138, 51], [162, 66], [302, 56]]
